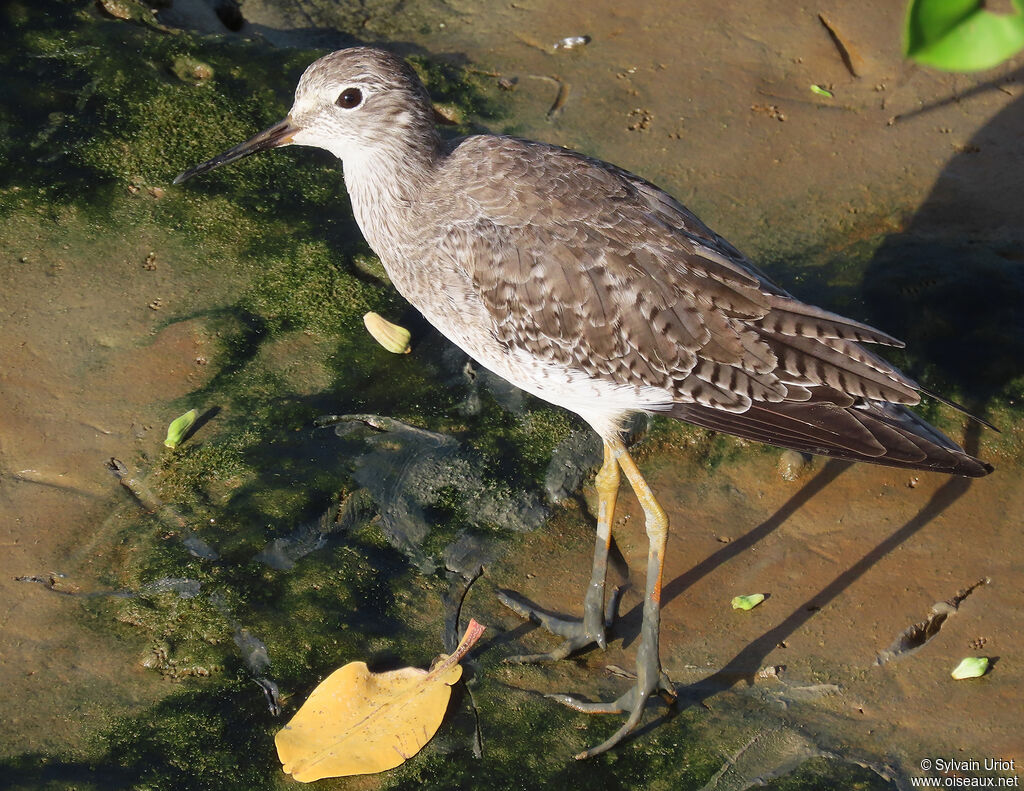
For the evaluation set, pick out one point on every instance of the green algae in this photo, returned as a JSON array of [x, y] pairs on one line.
[[668, 438], [457, 86], [115, 123], [818, 773], [527, 743]]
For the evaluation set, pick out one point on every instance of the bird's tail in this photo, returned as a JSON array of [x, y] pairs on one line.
[[871, 431]]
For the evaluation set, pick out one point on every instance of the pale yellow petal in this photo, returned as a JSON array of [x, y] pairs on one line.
[[392, 337]]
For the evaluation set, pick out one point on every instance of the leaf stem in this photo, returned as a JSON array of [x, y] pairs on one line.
[[472, 634]]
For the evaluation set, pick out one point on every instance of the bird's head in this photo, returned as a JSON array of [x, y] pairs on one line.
[[351, 102]]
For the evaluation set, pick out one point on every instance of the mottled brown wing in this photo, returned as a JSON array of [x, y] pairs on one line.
[[586, 266]]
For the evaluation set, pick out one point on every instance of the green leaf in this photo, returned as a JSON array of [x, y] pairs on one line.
[[747, 602], [179, 428], [970, 667], [821, 91], [960, 35]]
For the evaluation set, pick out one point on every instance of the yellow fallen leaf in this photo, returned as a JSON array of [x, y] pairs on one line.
[[358, 722]]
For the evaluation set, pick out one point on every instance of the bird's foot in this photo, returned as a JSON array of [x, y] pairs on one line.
[[578, 632], [650, 680]]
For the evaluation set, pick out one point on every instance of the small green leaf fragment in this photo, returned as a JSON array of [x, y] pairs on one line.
[[179, 428], [747, 602], [391, 336], [970, 667], [821, 91]]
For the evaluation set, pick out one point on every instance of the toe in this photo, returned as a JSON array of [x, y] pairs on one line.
[[600, 707], [561, 652], [577, 633]]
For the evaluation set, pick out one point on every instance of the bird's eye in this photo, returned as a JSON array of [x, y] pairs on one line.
[[349, 98]]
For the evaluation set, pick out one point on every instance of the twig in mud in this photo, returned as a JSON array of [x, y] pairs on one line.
[[163, 512], [185, 588], [955, 98], [561, 97], [254, 654], [845, 52], [453, 600], [532, 42], [139, 489]]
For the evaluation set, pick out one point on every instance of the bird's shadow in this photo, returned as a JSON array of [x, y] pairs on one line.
[[627, 625], [746, 663], [743, 667], [950, 280]]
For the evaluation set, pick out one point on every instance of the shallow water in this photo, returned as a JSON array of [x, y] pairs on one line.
[[104, 344]]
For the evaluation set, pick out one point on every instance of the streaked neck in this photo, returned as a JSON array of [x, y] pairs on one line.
[[384, 182]]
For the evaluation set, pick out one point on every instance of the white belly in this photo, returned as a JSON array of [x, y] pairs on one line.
[[602, 403]]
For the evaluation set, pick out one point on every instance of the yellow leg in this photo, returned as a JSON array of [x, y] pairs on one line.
[[655, 522], [596, 617], [577, 634], [607, 485], [649, 676]]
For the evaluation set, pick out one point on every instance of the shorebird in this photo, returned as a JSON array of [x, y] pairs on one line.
[[593, 289]]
